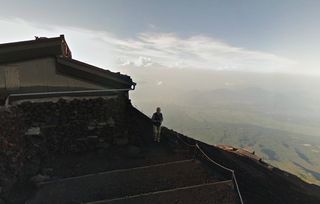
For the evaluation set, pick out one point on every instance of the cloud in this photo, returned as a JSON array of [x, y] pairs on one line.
[[199, 51], [307, 145], [152, 26], [139, 62], [228, 84], [159, 83], [152, 48]]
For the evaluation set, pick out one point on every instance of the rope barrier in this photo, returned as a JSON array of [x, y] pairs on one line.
[[214, 162], [230, 170], [237, 187]]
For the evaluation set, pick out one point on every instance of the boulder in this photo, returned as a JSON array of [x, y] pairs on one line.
[[104, 145], [102, 124], [111, 122], [33, 131], [47, 171], [93, 137], [39, 178], [121, 141]]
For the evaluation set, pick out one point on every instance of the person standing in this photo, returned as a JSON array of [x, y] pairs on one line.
[[157, 119]]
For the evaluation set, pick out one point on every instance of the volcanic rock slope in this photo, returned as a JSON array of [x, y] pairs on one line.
[[101, 151]]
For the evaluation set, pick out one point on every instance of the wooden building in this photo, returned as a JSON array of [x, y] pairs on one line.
[[44, 68]]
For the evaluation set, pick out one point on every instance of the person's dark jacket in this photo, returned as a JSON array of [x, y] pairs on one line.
[[157, 119]]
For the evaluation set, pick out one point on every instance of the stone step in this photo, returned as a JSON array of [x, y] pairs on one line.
[[119, 183], [211, 193]]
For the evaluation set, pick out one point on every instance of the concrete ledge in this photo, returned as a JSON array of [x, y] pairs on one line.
[[219, 192], [123, 182]]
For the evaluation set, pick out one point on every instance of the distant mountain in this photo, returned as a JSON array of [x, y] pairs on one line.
[[276, 115]]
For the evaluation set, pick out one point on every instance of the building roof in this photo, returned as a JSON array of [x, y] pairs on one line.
[[93, 74], [240, 151], [33, 49], [57, 47]]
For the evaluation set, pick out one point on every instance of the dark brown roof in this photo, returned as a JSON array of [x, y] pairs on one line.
[[32, 49], [93, 74]]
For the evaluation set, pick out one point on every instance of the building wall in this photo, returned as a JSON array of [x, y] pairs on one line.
[[38, 75]]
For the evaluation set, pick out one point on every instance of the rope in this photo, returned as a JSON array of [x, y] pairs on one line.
[[230, 170], [214, 162], [237, 186]]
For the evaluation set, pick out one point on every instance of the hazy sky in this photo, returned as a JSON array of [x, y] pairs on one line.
[[247, 35]]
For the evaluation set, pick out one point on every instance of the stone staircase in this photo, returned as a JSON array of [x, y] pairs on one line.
[[185, 181]]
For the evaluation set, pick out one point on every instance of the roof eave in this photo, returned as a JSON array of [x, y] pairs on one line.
[[93, 73]]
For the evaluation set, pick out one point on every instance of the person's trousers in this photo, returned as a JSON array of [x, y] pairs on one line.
[[156, 133]]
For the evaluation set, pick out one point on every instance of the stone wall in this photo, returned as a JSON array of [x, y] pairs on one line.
[[12, 146], [29, 132]]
